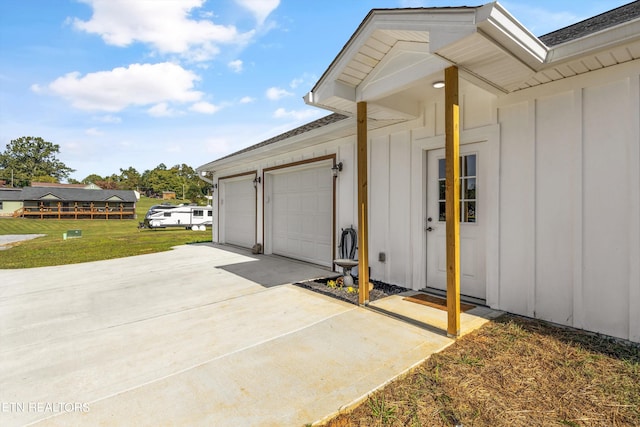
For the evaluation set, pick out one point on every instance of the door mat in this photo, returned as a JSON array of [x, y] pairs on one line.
[[436, 302]]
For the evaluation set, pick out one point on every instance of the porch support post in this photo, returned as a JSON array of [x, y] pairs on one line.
[[452, 155], [363, 206]]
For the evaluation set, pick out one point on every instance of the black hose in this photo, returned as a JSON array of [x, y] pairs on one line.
[[348, 248]]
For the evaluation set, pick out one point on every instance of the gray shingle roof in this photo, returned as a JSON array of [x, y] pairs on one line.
[[592, 25], [10, 194], [324, 121], [67, 194]]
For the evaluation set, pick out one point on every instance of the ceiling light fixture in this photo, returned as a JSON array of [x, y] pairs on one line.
[[439, 84]]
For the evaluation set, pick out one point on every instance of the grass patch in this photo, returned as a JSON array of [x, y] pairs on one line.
[[513, 372], [101, 239]]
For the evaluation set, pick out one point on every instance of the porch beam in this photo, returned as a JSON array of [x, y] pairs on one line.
[[452, 183], [363, 205]]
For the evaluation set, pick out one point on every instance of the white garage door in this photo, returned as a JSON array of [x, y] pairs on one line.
[[239, 211], [302, 214]]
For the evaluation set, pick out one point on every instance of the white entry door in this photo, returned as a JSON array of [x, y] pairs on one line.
[[238, 209], [472, 221]]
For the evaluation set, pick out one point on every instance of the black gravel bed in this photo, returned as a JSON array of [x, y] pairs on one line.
[[380, 290]]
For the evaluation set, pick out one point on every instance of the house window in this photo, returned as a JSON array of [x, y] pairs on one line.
[[197, 212], [209, 213], [468, 196]]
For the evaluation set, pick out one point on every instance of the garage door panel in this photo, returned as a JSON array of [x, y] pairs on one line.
[[302, 210], [239, 206]]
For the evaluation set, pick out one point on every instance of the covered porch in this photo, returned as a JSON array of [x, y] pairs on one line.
[[395, 61]]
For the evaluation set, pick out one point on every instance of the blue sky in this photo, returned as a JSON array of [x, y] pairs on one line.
[[119, 83]]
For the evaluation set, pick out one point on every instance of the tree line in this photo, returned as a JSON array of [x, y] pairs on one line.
[[32, 159]]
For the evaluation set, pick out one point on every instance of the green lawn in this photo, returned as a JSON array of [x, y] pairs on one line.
[[101, 239]]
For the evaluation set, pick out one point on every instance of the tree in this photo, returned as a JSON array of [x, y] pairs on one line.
[[92, 179], [32, 158], [129, 179], [161, 179]]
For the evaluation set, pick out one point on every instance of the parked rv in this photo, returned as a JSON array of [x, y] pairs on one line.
[[188, 216]]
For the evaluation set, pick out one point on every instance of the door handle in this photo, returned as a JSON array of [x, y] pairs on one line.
[[429, 228]]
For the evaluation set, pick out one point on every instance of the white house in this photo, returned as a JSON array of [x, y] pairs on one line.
[[550, 163]]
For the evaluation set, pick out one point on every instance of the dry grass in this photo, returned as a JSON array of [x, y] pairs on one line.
[[513, 372]]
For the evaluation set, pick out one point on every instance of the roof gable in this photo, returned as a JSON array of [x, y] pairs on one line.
[[49, 196]]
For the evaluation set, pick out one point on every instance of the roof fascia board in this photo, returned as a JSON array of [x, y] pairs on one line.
[[623, 33], [500, 26], [330, 89]]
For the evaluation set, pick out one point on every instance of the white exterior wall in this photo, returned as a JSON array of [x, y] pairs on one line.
[[570, 191]]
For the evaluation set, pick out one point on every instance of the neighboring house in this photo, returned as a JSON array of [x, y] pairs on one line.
[[550, 163], [67, 203], [90, 186], [10, 201]]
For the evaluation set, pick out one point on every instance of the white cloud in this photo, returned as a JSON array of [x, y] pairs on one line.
[[218, 146], [173, 148], [298, 115], [306, 79], [161, 110], [276, 93], [235, 66], [94, 132], [205, 108], [108, 118], [166, 25], [138, 84], [261, 9], [247, 100]]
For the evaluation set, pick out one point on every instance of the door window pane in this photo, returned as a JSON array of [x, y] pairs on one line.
[[468, 191], [442, 214]]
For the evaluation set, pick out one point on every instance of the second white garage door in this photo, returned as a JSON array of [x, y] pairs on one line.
[[239, 210], [303, 213]]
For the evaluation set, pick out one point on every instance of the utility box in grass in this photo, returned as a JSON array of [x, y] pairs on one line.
[[71, 234]]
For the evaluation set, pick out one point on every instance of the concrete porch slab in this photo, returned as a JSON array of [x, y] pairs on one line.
[[431, 318]]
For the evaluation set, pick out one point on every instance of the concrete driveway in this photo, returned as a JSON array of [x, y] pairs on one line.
[[201, 335]]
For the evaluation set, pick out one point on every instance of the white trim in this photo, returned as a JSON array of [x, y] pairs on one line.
[[490, 136], [222, 188], [634, 212], [578, 214]]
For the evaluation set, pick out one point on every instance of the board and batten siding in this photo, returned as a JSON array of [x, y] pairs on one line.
[[570, 202]]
